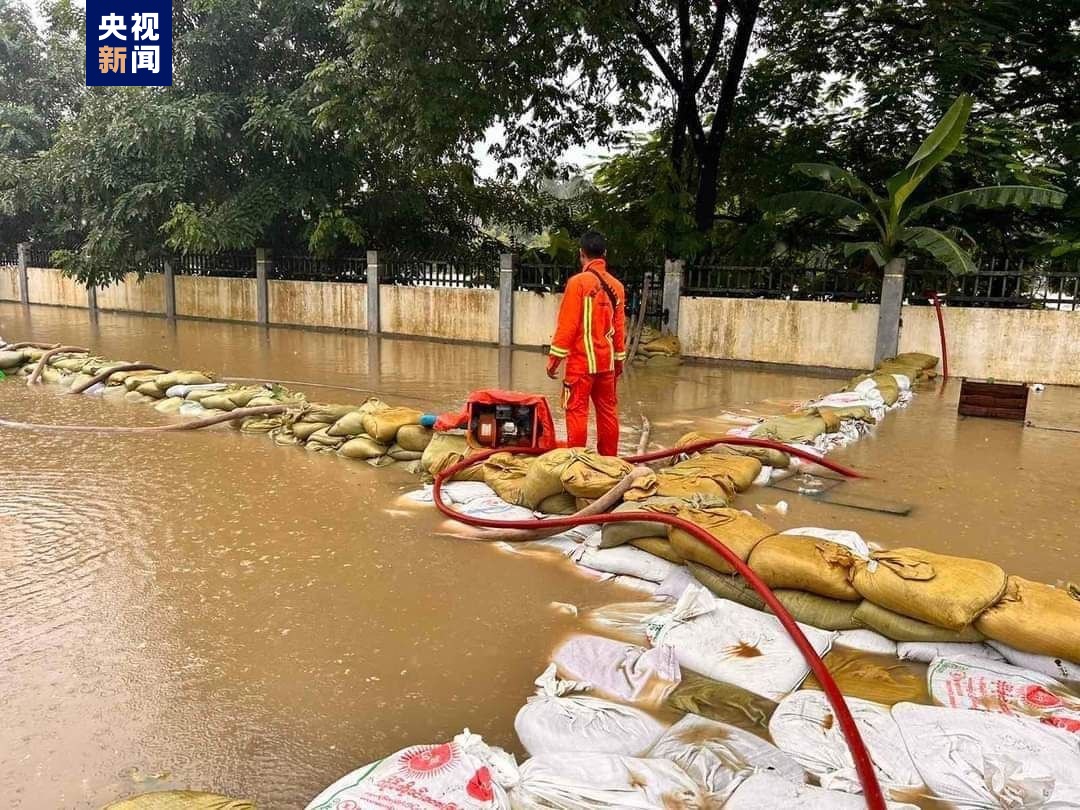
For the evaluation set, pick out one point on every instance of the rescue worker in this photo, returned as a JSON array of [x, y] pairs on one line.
[[591, 337]]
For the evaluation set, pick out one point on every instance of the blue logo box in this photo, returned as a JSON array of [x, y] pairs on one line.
[[129, 43]]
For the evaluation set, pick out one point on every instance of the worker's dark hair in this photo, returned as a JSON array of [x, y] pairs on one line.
[[594, 244]]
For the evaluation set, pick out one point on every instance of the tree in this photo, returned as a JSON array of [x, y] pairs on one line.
[[433, 78], [895, 220]]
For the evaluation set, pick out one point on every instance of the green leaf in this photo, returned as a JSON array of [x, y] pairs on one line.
[[994, 197], [956, 260], [875, 249], [822, 203], [831, 173]]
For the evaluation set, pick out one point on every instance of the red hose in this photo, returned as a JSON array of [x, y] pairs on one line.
[[941, 331], [863, 765], [747, 442]]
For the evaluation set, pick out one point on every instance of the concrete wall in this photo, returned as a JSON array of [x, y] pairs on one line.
[[132, 295], [226, 299], [534, 317], [9, 283], [804, 333], [314, 303], [1007, 344], [46, 286], [439, 312]]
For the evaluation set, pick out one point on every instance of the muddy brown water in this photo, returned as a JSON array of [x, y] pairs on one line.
[[208, 610]]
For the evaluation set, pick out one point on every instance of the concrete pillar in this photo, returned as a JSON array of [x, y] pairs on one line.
[[506, 368], [673, 279], [374, 361], [24, 279], [170, 290], [892, 298], [263, 264], [373, 325], [506, 299]]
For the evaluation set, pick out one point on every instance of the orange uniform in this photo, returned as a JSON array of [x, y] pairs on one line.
[[591, 337]]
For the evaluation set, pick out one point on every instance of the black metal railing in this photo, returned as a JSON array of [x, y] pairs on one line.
[[231, 265], [478, 270], [351, 269], [779, 282], [1004, 283], [9, 256]]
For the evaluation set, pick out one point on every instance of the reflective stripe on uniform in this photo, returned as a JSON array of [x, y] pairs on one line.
[[555, 351], [587, 333]]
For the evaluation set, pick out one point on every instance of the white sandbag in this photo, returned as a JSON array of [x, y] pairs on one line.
[[766, 791], [926, 651], [184, 390], [558, 719], [626, 621], [674, 585], [764, 476], [192, 409], [869, 641], [903, 381], [466, 773], [989, 760], [728, 642], [852, 541], [1054, 667], [574, 781], [805, 726], [642, 586], [624, 560], [452, 492], [492, 507], [619, 670], [966, 682], [719, 756]]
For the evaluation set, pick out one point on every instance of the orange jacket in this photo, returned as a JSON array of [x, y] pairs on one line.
[[591, 332]]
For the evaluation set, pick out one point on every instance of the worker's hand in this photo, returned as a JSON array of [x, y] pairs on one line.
[[618, 368], [553, 366]]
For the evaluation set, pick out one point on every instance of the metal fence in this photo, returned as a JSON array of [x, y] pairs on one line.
[[475, 270], [780, 282], [9, 256], [350, 269], [1005, 283], [232, 265]]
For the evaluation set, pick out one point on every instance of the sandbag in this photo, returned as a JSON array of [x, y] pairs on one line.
[[625, 621], [349, 424], [466, 773], [170, 405], [561, 504], [151, 389], [618, 670], [240, 397], [926, 651], [968, 682], [762, 791], [903, 628], [819, 611], [322, 438], [719, 756], [738, 469], [617, 534], [182, 390], [168, 380], [544, 479], [1035, 618], [875, 677], [218, 401], [74, 364], [262, 424], [920, 360], [399, 453], [284, 436], [792, 429], [768, 456], [623, 560], [590, 475], [726, 586], [444, 451], [559, 719], [574, 781], [199, 394], [1054, 667], [735, 529], [180, 800], [362, 447], [805, 727], [327, 412], [983, 759], [722, 702], [735, 644], [383, 425], [658, 547], [865, 640], [11, 359], [303, 430], [505, 473], [803, 563], [664, 344], [938, 589], [414, 437], [682, 482]]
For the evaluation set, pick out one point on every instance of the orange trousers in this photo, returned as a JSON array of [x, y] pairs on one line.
[[600, 388]]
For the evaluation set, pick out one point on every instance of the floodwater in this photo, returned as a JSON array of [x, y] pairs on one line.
[[207, 610]]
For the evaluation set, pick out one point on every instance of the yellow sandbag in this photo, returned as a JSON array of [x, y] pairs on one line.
[[137, 398], [561, 504], [383, 425], [199, 394], [819, 611], [150, 389], [805, 563], [740, 470], [414, 437], [903, 628], [505, 473], [544, 479], [53, 375], [727, 586], [886, 386], [735, 529], [792, 429], [938, 589], [180, 800], [350, 424], [79, 379], [917, 359], [69, 363], [11, 359], [325, 412], [169, 405], [303, 430], [1035, 618], [133, 381], [446, 450], [167, 381], [261, 424], [658, 546], [590, 475], [399, 453], [219, 402], [616, 534], [766, 455], [362, 447], [837, 415], [284, 436], [665, 344], [673, 483], [322, 438], [240, 397]]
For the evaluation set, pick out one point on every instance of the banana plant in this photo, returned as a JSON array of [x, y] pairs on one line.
[[892, 214]]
